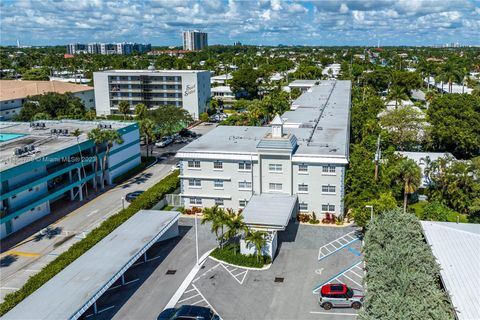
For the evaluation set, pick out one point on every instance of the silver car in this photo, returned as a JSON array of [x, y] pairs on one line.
[[339, 295]]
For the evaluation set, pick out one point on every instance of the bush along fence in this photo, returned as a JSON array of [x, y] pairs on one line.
[[145, 201], [402, 278]]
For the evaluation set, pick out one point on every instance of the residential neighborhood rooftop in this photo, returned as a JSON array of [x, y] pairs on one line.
[[319, 122], [19, 89], [457, 249], [20, 134]]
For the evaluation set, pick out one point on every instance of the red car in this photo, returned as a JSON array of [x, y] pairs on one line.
[[339, 295]]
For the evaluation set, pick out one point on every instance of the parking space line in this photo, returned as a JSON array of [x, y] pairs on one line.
[[235, 276], [189, 291], [317, 288], [100, 311], [356, 274], [206, 301], [196, 295], [358, 284], [355, 252], [201, 300]]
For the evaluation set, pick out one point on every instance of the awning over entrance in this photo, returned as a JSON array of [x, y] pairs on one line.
[[270, 211]]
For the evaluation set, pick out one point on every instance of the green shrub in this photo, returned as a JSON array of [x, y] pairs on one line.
[[145, 201], [231, 254], [403, 276], [130, 173]]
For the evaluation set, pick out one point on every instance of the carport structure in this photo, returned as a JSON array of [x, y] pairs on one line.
[[269, 212], [77, 287]]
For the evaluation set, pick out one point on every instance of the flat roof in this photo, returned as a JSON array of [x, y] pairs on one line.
[[45, 142], [457, 249], [19, 89], [142, 72], [72, 291], [319, 118], [258, 211], [303, 83]]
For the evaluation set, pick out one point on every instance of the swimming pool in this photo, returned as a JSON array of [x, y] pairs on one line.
[[9, 136]]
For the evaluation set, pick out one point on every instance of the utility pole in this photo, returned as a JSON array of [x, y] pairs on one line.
[[378, 155]]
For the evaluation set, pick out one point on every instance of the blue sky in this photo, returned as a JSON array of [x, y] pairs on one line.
[[267, 22]]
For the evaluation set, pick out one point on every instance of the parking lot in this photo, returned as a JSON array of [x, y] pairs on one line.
[[166, 155], [289, 289]]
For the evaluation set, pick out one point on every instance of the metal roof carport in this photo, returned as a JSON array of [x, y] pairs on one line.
[[76, 288]]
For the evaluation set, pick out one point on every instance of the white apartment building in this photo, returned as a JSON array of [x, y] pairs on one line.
[[14, 93], [296, 165], [188, 89], [195, 40]]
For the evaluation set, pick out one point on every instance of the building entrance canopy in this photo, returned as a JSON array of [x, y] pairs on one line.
[[270, 211]]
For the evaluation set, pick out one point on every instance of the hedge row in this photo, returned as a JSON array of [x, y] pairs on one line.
[[130, 173], [145, 201], [402, 278], [231, 254]]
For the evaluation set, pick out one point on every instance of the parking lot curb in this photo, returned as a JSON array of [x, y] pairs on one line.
[[242, 267]]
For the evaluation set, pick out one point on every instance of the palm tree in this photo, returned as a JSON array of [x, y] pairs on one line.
[[147, 129], [76, 133], [397, 94], [408, 173], [110, 137], [235, 224], [96, 135], [141, 111], [256, 238], [124, 107], [214, 216], [451, 73]]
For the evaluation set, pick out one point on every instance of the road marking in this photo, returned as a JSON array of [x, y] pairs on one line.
[[206, 301], [100, 311], [32, 270], [22, 254], [334, 314], [188, 298], [317, 288], [355, 252], [92, 213], [326, 250], [319, 271]]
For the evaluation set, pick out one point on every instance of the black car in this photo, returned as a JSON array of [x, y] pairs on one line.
[[133, 195], [187, 133], [188, 312]]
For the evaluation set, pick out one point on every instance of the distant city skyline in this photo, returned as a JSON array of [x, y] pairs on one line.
[[262, 22]]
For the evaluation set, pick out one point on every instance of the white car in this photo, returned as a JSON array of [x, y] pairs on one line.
[[164, 142], [175, 167]]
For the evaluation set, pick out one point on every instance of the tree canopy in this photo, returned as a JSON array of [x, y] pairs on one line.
[[53, 105]]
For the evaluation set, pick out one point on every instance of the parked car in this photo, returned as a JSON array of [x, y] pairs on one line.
[[187, 133], [165, 141], [133, 195], [188, 312], [175, 167], [339, 295]]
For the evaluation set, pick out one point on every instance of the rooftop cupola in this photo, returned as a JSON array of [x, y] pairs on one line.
[[277, 127]]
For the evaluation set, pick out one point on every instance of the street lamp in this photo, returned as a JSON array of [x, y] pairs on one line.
[[371, 211], [196, 235], [123, 202]]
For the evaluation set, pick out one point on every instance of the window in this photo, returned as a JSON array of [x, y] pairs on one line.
[[193, 163], [275, 186], [219, 202], [303, 187], [196, 201], [303, 206], [328, 169], [242, 203], [246, 185], [218, 184], [328, 189], [30, 190], [194, 182], [303, 167], [245, 166], [274, 167], [328, 207], [218, 165]]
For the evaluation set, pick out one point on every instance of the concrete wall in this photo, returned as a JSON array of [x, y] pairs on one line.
[[268, 250], [102, 95]]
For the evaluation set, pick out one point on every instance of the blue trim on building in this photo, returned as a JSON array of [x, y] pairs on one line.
[[125, 162]]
